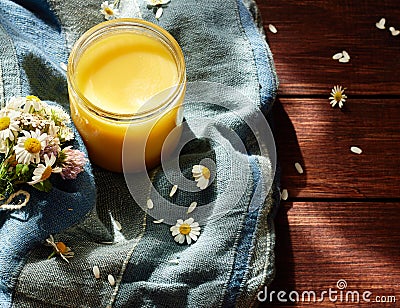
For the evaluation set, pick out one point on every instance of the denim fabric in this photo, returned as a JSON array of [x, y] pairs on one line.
[[233, 256]]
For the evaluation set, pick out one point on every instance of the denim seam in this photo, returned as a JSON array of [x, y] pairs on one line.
[[126, 263], [266, 99]]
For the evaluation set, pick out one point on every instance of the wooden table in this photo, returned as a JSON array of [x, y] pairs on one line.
[[342, 218]]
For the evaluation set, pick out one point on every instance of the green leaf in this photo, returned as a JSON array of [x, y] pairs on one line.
[[18, 168], [43, 186], [25, 169]]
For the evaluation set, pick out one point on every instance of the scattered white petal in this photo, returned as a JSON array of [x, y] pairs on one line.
[[272, 28], [159, 12], [63, 66], [299, 168], [284, 194], [150, 204], [337, 56], [118, 225], [394, 31], [96, 272], [111, 280], [173, 190], [160, 221], [175, 261], [344, 60], [381, 24], [356, 150], [191, 207], [346, 54]]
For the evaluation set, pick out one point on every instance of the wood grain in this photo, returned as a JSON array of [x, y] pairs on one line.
[[311, 32], [319, 243], [322, 236], [319, 137]]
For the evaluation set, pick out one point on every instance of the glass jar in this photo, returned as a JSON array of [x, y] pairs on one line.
[[126, 73]]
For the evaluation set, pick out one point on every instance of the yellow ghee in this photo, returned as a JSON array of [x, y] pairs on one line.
[[122, 74]]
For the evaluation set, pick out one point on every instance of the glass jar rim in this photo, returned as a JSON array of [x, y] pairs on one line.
[[128, 24]]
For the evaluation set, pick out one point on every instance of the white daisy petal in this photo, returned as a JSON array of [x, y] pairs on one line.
[[159, 12], [337, 56], [181, 238], [202, 183], [381, 24], [195, 232], [189, 221], [272, 28], [174, 228], [346, 54], [284, 194], [111, 280], [173, 190], [150, 204], [175, 232], [63, 66], [188, 239], [96, 272], [299, 168], [356, 150], [191, 207], [193, 236]]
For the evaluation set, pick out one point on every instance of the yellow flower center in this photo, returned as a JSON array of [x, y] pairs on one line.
[[62, 248], [206, 172], [109, 11], [46, 173], [32, 145], [184, 229], [338, 96], [33, 98], [4, 123]]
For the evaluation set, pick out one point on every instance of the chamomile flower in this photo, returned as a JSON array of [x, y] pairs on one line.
[[338, 96], [28, 147], [58, 115], [43, 172], [201, 175], [109, 10], [185, 230], [32, 103], [9, 125], [60, 249], [65, 133], [15, 103]]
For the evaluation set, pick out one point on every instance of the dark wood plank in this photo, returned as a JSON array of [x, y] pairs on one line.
[[319, 137], [321, 243], [311, 32]]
